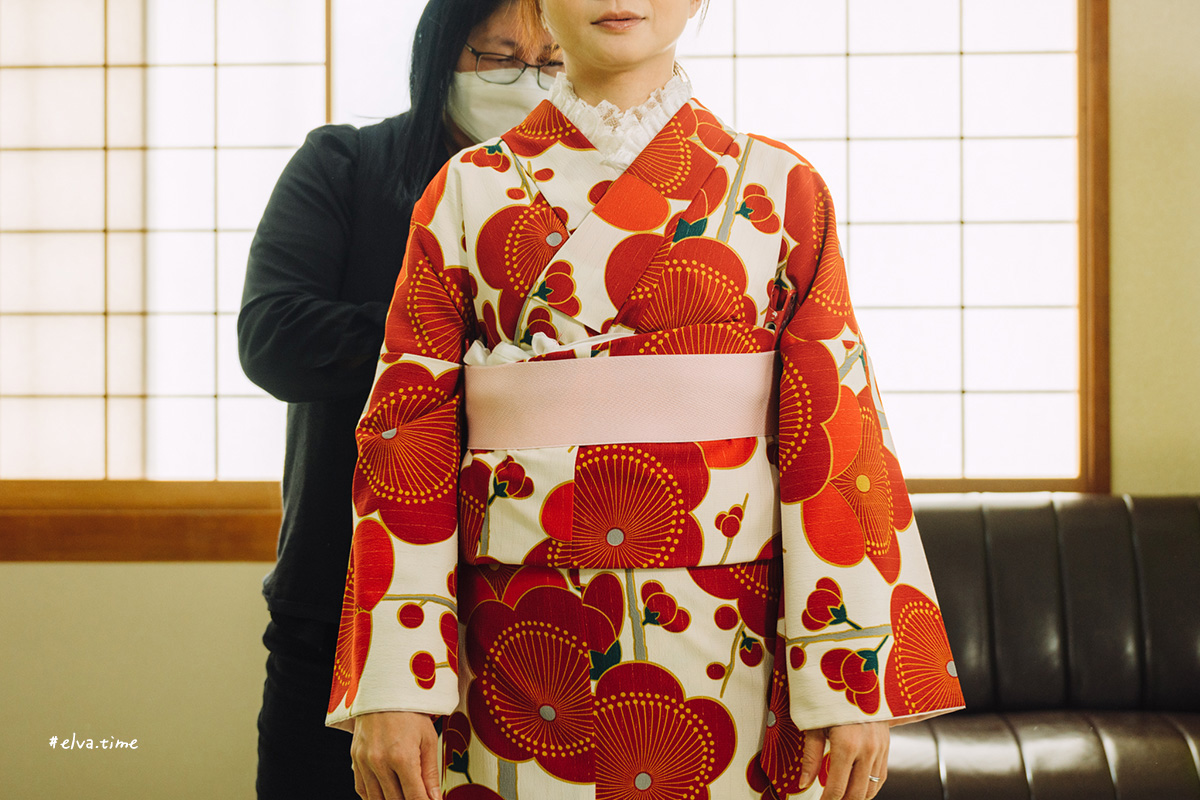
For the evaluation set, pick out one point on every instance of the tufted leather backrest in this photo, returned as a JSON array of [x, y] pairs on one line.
[[1068, 600]]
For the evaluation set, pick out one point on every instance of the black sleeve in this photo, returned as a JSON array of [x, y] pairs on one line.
[[297, 338]]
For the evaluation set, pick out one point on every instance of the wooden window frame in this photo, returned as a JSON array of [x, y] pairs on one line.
[[105, 521]]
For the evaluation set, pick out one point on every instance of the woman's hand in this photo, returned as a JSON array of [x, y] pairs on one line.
[[394, 756], [856, 753]]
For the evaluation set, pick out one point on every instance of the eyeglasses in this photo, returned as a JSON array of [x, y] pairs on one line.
[[501, 69]]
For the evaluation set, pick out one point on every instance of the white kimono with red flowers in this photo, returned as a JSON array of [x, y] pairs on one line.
[[597, 619]]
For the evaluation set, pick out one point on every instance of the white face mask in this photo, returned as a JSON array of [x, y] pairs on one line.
[[485, 110]]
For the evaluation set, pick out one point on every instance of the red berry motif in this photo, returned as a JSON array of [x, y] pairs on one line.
[[511, 481], [856, 672], [424, 669], [662, 609], [750, 651], [650, 588], [411, 615], [715, 671], [759, 209], [730, 522], [825, 607], [679, 623], [726, 617], [796, 657], [490, 156]]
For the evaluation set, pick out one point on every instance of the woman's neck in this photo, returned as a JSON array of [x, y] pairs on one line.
[[624, 89]]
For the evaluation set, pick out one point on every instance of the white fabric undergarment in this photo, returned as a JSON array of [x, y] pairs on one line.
[[619, 135]]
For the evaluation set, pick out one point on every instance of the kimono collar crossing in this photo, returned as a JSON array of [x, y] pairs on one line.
[[619, 135]]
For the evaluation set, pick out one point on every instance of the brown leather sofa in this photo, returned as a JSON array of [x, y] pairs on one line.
[[1075, 626]]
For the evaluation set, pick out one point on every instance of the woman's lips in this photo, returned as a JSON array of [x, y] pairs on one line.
[[617, 24]]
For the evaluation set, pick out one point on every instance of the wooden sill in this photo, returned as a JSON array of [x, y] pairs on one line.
[[138, 521], [141, 521]]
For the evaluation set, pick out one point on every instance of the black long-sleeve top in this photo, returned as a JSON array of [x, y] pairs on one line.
[[322, 268]]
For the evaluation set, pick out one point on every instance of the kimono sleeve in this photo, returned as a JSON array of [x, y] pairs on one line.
[[398, 638], [864, 634]]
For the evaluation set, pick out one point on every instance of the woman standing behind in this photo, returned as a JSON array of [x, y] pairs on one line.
[[617, 293], [322, 266]]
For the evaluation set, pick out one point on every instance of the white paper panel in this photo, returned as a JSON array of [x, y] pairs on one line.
[[126, 272], [904, 181], [126, 190], [904, 26], [52, 355], [927, 430], [713, 36], [372, 48], [126, 31], [904, 96], [180, 31], [245, 179], [59, 438], [231, 381], [268, 106], [1022, 435], [712, 84], [251, 438], [815, 106], [1020, 95], [778, 27], [1019, 25], [180, 272], [126, 438], [180, 354], [1020, 180], [273, 31], [179, 106], [1030, 265], [180, 189], [904, 265], [126, 354], [126, 107], [51, 272], [51, 32], [181, 438], [1021, 349], [52, 108], [52, 190], [914, 350], [233, 251]]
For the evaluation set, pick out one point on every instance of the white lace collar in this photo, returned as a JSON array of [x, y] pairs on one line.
[[621, 135]]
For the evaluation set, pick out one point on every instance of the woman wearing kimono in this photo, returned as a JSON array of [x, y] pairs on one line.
[[671, 425]]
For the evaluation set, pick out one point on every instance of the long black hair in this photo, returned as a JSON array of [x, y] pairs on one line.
[[441, 35]]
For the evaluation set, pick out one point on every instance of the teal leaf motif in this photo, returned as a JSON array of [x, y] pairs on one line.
[[838, 615], [688, 229], [460, 762], [870, 660], [602, 661], [493, 149], [543, 292], [744, 211], [651, 618]]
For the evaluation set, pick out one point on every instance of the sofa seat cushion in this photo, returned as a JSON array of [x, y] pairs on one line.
[[1047, 755]]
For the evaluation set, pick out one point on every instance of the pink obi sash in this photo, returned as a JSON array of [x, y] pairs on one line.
[[621, 400]]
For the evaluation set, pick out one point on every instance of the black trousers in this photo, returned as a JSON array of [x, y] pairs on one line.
[[298, 757]]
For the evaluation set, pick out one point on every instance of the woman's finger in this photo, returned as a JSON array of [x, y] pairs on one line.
[[810, 756], [880, 772], [841, 763], [430, 773]]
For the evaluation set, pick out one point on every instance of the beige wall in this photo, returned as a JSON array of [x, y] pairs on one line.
[[1155, 245], [171, 653]]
